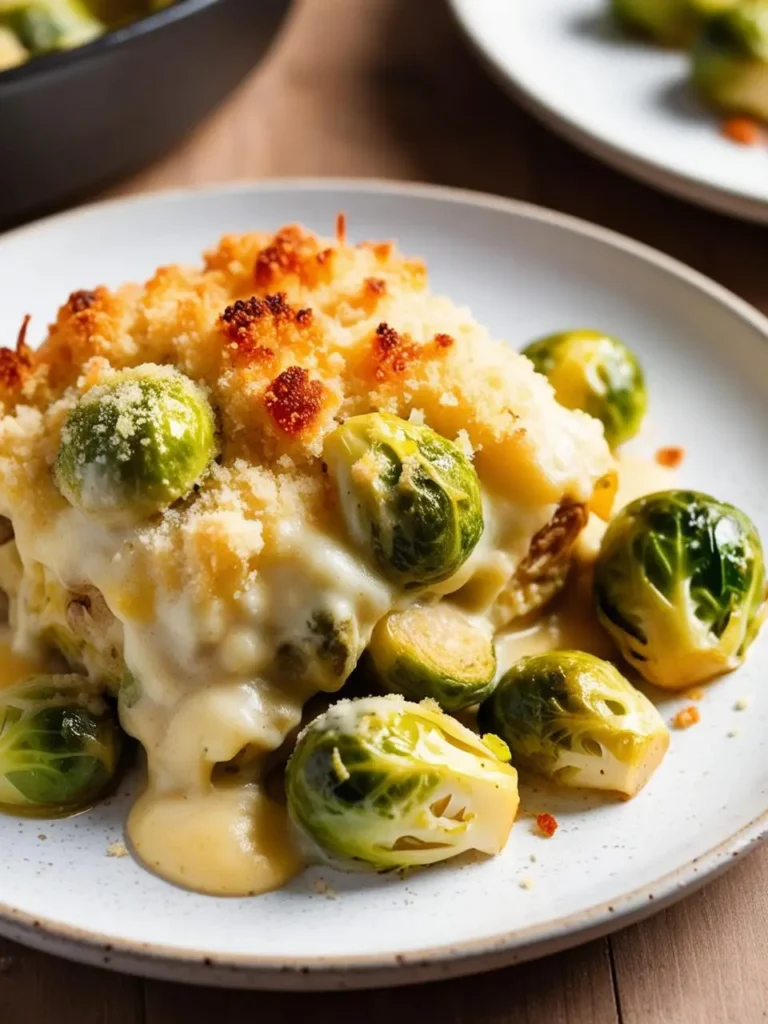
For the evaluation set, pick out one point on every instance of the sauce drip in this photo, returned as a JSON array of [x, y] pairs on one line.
[[229, 841]]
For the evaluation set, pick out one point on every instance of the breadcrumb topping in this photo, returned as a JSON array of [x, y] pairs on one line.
[[287, 334]]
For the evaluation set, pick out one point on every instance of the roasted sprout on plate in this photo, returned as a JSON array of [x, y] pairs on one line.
[[575, 719], [387, 783], [667, 22], [59, 745], [680, 586], [434, 651], [730, 60], [596, 373]]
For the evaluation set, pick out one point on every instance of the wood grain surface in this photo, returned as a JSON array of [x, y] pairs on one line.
[[387, 88]]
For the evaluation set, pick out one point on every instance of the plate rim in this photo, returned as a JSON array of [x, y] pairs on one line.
[[451, 959], [732, 202]]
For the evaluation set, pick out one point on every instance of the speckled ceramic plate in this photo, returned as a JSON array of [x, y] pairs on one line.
[[626, 102], [524, 271]]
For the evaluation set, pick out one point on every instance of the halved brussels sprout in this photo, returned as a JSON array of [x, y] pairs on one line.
[[575, 719], [133, 446], [384, 782], [59, 745], [680, 586], [434, 651], [597, 374], [730, 60], [409, 496]]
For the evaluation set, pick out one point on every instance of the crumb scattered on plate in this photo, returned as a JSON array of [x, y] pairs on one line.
[[670, 457], [527, 882], [117, 849], [547, 825], [685, 718], [741, 704]]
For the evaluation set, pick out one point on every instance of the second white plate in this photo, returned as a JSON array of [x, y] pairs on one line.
[[627, 103]]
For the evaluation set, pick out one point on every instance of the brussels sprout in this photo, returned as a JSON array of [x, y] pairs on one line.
[[35, 27], [384, 782], [730, 60], [134, 445], [667, 22], [575, 719], [324, 655], [679, 585], [434, 651], [408, 495], [59, 745], [596, 373], [43, 26]]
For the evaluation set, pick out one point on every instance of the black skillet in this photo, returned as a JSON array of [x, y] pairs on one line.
[[75, 120]]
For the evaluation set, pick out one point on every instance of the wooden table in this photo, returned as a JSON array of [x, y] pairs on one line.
[[387, 88]]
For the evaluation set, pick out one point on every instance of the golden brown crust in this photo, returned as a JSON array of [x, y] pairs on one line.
[[294, 401], [293, 254], [254, 328], [16, 363]]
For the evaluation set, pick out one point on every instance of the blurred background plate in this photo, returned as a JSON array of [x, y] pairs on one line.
[[76, 120], [525, 272], [625, 102]]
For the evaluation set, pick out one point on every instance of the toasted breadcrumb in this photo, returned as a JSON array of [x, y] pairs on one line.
[[742, 130], [281, 333], [687, 717], [547, 825], [670, 457], [117, 849], [527, 882], [742, 704]]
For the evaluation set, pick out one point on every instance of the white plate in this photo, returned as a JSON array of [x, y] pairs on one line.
[[626, 102], [524, 272]]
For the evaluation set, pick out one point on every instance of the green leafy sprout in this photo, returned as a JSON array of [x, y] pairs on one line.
[[596, 373], [410, 496], [59, 745], [680, 586], [387, 783], [136, 444], [575, 719]]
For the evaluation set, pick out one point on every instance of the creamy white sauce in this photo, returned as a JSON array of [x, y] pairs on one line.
[[208, 680]]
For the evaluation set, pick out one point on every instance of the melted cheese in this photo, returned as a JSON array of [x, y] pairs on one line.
[[231, 841]]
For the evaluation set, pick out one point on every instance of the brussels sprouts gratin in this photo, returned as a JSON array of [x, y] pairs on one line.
[[238, 497]]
